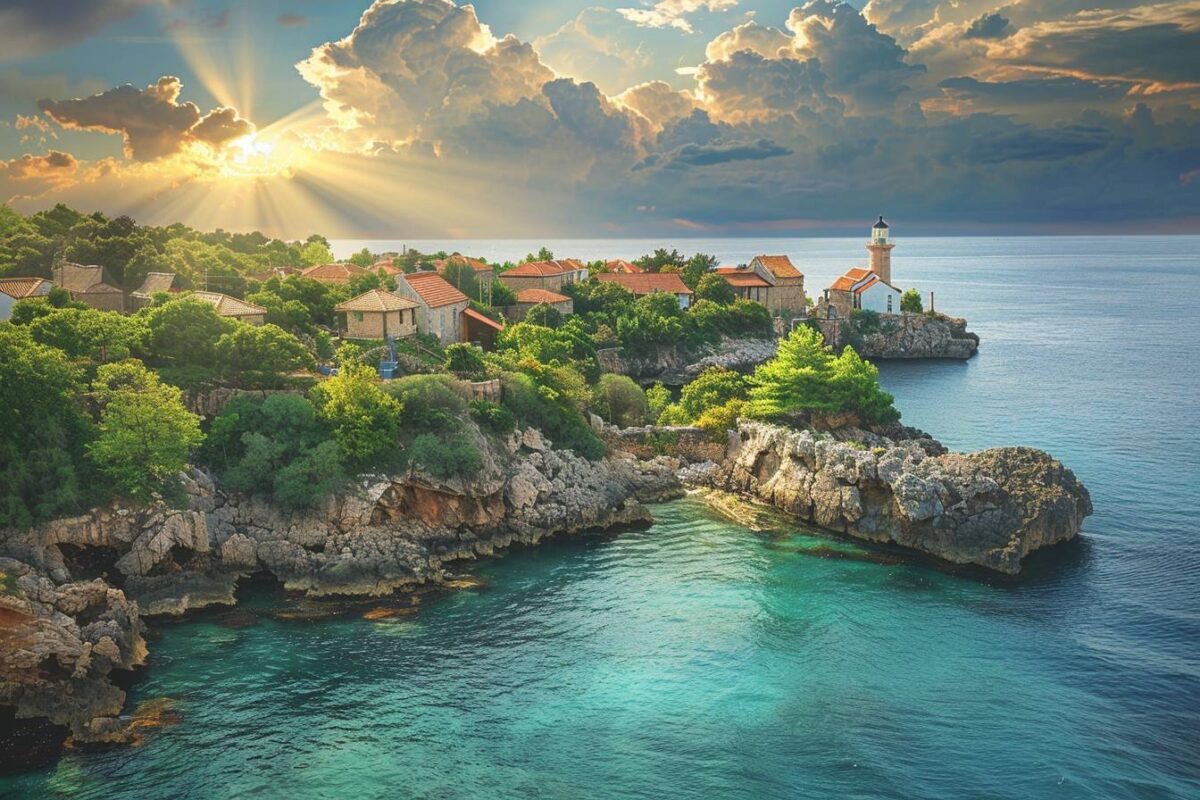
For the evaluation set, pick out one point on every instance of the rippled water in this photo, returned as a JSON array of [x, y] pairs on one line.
[[696, 659]]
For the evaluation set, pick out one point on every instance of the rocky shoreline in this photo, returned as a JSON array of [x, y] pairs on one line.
[[75, 592], [989, 509]]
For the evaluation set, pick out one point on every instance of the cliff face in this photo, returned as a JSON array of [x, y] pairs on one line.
[[72, 590], [904, 336], [990, 508], [675, 366]]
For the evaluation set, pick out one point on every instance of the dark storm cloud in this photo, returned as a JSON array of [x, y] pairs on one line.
[[988, 26], [1036, 91], [28, 27], [706, 155]]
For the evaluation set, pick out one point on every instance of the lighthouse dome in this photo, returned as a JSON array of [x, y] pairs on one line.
[[881, 223]]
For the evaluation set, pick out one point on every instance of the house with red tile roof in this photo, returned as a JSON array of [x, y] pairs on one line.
[[336, 274], [867, 287], [233, 308], [552, 275], [440, 305], [14, 290], [746, 283], [643, 283], [528, 298]]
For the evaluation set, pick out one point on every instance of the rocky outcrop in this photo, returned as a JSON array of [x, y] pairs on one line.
[[72, 591], [903, 336], [990, 508], [675, 365]]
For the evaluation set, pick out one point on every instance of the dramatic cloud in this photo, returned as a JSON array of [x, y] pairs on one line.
[[988, 26], [658, 102], [53, 164], [28, 27], [152, 121], [673, 13]]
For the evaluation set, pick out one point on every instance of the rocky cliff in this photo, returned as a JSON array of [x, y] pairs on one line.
[[72, 591], [903, 336], [675, 365], [990, 508]]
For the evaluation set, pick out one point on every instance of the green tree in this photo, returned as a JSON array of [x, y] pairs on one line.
[[185, 330], [545, 315], [42, 432], [660, 259], [316, 253], [147, 259], [462, 275], [90, 334], [715, 289], [262, 350], [363, 258], [365, 419], [465, 359], [910, 302], [619, 400], [696, 267], [544, 254], [713, 388], [145, 433], [658, 397]]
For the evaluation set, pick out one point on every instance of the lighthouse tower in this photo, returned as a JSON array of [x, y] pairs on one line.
[[880, 248]]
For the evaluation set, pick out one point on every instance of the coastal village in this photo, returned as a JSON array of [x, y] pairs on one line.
[[430, 300]]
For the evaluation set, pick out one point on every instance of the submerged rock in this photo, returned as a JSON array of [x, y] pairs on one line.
[[990, 508]]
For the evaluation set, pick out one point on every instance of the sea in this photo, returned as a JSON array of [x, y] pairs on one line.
[[699, 659]]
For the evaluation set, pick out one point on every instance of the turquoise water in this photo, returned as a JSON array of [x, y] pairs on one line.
[[699, 660]]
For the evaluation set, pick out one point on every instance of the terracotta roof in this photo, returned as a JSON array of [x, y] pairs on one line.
[[230, 306], [867, 284], [647, 282], [389, 267], [846, 282], [434, 290], [535, 296], [543, 268], [156, 282], [20, 288], [335, 273], [741, 277], [486, 320], [376, 300], [459, 258], [779, 266], [83, 280], [621, 265]]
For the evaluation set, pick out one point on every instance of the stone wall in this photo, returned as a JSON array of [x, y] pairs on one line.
[[902, 336]]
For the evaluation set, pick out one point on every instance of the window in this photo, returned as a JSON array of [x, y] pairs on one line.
[[358, 316], [889, 303]]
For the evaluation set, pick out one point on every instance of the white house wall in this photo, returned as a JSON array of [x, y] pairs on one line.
[[875, 298]]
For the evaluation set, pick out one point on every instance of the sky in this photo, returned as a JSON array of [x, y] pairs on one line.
[[510, 118]]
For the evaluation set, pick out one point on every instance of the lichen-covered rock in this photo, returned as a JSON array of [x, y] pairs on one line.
[[990, 508], [919, 336]]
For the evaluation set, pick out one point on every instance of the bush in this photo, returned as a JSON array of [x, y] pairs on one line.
[[450, 456], [619, 400], [910, 302], [559, 420], [713, 388], [493, 418], [186, 331], [658, 397], [466, 359], [261, 352], [430, 402], [715, 289], [311, 477], [85, 333], [365, 419], [717, 420]]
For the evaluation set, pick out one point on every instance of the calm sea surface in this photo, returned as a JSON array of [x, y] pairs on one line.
[[699, 660]]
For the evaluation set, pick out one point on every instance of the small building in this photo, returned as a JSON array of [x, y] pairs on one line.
[[528, 298], [644, 283], [86, 284], [440, 305], [746, 284], [377, 314], [335, 274], [867, 287], [552, 275], [154, 283], [233, 308], [621, 265], [14, 290], [484, 273], [479, 329]]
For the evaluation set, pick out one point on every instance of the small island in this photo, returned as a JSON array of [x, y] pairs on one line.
[[198, 409]]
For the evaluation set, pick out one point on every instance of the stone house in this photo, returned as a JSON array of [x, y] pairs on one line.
[[645, 283], [86, 284], [551, 275], [233, 308], [13, 290], [859, 288], [377, 314], [440, 305], [528, 298], [779, 285], [154, 283], [335, 274], [746, 284]]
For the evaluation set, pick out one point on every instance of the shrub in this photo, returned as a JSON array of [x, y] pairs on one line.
[[713, 388], [910, 302], [186, 331], [619, 400], [450, 456], [312, 476], [261, 351], [715, 289], [492, 417], [365, 419], [717, 420], [430, 402], [545, 410], [658, 397], [465, 359]]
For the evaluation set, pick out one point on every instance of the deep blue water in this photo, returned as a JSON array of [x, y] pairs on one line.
[[700, 660]]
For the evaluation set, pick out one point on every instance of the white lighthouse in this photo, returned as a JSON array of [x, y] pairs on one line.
[[880, 249]]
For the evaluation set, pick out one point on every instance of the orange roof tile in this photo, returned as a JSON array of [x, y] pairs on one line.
[[459, 258], [486, 320], [20, 288], [536, 269], [534, 296], [647, 282], [741, 277], [230, 306], [779, 266], [335, 273], [376, 300], [434, 290], [621, 265], [846, 282]]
